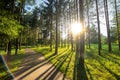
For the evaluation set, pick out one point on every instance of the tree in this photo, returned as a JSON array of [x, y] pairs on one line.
[[9, 30], [107, 25], [88, 24], [113, 34], [56, 42], [98, 22], [118, 33], [82, 44]]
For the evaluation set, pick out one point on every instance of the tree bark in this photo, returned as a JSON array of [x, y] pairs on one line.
[[88, 25], [98, 22], [82, 45], [16, 46], [107, 24], [118, 33], [6, 47], [56, 43], [9, 50], [51, 33]]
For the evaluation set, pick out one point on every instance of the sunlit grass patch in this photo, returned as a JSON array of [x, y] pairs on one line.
[[103, 67]]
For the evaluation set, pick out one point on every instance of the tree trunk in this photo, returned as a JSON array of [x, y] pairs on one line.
[[9, 43], [12, 6], [82, 46], [16, 46], [76, 2], [118, 33], [98, 22], [6, 47], [20, 40], [9, 50], [56, 43], [51, 33], [107, 24], [88, 25]]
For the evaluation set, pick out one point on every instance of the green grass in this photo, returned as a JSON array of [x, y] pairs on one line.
[[13, 63], [104, 67]]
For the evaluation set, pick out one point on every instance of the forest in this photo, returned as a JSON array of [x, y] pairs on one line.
[[60, 39]]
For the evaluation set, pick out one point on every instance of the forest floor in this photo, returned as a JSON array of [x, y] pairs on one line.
[[39, 63], [35, 67]]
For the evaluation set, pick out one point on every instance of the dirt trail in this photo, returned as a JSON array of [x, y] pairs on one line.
[[36, 67]]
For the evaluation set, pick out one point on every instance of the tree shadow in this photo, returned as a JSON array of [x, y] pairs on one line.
[[32, 62], [107, 58], [79, 70], [99, 60], [66, 69], [53, 72], [88, 71], [113, 57], [110, 71], [37, 64]]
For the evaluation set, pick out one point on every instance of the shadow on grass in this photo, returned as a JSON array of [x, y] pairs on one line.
[[110, 71], [39, 64], [113, 57], [88, 71], [66, 69], [53, 72], [99, 59], [107, 58], [79, 70]]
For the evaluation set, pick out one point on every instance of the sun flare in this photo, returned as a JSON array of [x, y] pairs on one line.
[[76, 28]]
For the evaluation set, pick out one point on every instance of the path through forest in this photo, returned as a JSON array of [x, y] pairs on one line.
[[35, 67]]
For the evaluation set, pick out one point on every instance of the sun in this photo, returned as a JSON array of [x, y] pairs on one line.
[[76, 28]]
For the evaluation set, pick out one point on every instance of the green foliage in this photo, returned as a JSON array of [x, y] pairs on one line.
[[9, 27], [92, 32], [103, 39]]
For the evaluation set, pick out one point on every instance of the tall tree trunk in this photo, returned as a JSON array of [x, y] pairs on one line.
[[12, 7], [51, 33], [82, 45], [65, 29], [16, 46], [21, 9], [118, 33], [76, 8], [98, 22], [20, 40], [77, 37], [56, 43], [9, 49], [10, 43], [88, 24], [107, 24], [6, 47]]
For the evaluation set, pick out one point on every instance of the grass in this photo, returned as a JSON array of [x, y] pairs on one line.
[[13, 63], [104, 67]]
